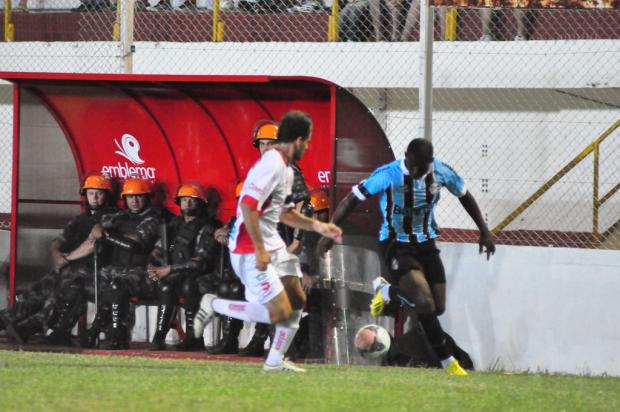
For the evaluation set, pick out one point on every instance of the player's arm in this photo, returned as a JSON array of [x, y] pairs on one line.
[[291, 217], [345, 207], [343, 210], [456, 185], [376, 183], [486, 242]]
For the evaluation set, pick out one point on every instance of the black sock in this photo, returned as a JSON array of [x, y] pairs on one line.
[[435, 335]]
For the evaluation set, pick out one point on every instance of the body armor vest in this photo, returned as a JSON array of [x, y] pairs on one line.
[[82, 225], [184, 238], [126, 224], [299, 190]]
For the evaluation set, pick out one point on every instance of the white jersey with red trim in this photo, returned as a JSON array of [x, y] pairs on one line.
[[267, 188]]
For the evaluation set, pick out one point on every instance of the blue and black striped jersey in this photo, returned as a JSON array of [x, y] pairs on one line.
[[408, 204]]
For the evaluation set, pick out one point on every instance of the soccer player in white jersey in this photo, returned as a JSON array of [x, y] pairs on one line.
[[270, 274]]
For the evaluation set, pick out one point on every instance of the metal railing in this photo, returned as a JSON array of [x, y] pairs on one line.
[[597, 202]]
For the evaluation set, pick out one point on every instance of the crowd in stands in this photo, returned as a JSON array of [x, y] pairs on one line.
[[359, 20]]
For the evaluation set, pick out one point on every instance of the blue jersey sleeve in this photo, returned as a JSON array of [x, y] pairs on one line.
[[447, 177], [376, 183]]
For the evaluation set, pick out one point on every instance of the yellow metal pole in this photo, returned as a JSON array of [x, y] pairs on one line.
[[451, 19], [330, 28], [116, 29], [595, 200], [216, 20], [513, 215], [609, 194], [9, 28], [332, 25]]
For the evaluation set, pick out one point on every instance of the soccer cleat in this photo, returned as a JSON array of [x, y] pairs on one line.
[[454, 368], [378, 303], [378, 283], [204, 316], [285, 366]]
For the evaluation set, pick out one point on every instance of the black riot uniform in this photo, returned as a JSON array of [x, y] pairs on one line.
[[192, 254], [299, 193], [129, 239], [56, 299]]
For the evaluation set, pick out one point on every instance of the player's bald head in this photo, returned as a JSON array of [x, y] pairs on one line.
[[421, 150], [419, 157]]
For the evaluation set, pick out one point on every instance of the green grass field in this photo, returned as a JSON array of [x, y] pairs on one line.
[[63, 382]]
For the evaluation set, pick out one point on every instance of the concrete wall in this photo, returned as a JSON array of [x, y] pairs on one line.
[[535, 309]]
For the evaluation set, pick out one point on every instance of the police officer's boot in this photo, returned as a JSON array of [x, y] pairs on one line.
[[90, 337], [190, 343], [68, 313], [229, 345], [23, 330], [189, 291], [5, 318], [256, 346], [118, 333], [164, 313]]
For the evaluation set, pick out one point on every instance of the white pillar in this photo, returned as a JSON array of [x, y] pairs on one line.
[[425, 78]]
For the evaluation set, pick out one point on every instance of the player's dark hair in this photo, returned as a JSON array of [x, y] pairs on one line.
[[294, 124], [421, 150]]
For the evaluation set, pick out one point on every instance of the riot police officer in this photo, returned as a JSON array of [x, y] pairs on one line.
[[130, 236], [55, 300], [176, 267]]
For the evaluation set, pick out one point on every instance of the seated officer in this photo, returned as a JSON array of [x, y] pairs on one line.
[[175, 267], [129, 236], [50, 300]]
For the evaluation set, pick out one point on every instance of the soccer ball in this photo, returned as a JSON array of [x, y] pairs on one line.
[[372, 341]]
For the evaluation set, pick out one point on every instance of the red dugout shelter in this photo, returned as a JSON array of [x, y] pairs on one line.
[[168, 129]]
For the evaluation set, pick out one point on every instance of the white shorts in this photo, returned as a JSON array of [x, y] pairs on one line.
[[263, 286]]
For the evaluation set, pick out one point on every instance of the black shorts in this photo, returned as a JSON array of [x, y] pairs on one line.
[[402, 257]]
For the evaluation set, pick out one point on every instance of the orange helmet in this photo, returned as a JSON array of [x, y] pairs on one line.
[[96, 182], [264, 130], [136, 187], [319, 200], [239, 188], [190, 190]]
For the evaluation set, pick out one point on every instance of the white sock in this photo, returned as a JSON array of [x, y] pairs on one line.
[[446, 362], [251, 312], [385, 292], [282, 338]]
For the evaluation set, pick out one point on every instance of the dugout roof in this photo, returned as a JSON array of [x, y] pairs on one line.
[[169, 129]]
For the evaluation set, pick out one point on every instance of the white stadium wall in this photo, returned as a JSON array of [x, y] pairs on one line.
[[535, 309], [529, 308]]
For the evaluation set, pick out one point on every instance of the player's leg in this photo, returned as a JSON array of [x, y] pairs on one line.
[[266, 300], [400, 261], [285, 331], [439, 296], [419, 292], [436, 277]]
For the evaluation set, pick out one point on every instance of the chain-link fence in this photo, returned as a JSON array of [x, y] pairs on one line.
[[522, 99]]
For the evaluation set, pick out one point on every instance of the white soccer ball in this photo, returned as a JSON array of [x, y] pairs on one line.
[[372, 341]]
